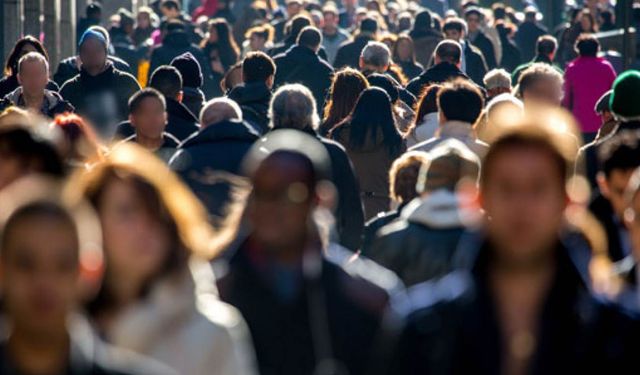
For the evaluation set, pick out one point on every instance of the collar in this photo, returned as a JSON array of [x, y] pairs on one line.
[[456, 129]]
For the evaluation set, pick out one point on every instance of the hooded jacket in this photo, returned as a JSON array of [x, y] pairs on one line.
[[70, 67], [205, 158], [421, 245], [52, 105], [425, 130], [102, 98], [254, 99]]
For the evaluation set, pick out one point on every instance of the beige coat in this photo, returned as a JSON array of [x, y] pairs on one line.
[[184, 325]]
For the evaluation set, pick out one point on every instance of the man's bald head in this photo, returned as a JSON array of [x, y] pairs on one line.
[[218, 110]]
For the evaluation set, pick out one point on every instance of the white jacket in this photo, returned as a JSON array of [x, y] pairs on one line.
[[184, 325], [425, 130]]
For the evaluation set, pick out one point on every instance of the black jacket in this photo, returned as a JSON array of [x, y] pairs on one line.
[[421, 246], [103, 99], [302, 65], [486, 47], [193, 98], [166, 150], [181, 123], [173, 45], [218, 148], [336, 313], [68, 68], [476, 67], [53, 103], [254, 99], [10, 83], [578, 333], [526, 38], [411, 69], [436, 74], [349, 52]]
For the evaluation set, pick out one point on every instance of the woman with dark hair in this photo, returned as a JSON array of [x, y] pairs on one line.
[[405, 56], [425, 37], [219, 47], [426, 120], [345, 90], [23, 46], [372, 142], [158, 295]]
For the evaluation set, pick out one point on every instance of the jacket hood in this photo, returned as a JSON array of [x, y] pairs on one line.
[[175, 108], [228, 130], [250, 92], [441, 209], [177, 40]]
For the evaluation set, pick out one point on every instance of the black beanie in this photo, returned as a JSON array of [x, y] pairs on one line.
[[190, 70]]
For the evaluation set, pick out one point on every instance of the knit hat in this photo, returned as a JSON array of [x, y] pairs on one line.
[[190, 70], [92, 34], [626, 90]]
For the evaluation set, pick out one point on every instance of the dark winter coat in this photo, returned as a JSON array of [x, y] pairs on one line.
[[486, 47], [103, 98], [302, 65], [345, 298], [209, 154], [603, 211], [254, 99], [577, 333], [68, 68], [476, 65], [526, 38], [349, 52]]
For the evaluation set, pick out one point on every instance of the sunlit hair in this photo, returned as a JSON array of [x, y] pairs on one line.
[[534, 73], [33, 57], [403, 38], [293, 106], [182, 210], [265, 31], [81, 139], [347, 86], [403, 175]]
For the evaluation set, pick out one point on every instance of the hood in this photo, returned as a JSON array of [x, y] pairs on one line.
[[223, 131], [105, 77], [177, 40], [250, 93], [441, 209], [177, 109], [192, 92]]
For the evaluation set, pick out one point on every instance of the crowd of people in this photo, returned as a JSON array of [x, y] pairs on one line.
[[312, 187]]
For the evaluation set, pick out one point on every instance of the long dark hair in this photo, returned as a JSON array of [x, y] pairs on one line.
[[11, 66], [427, 103], [346, 88], [372, 116], [228, 50]]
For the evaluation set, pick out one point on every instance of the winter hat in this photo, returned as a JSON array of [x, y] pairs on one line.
[[92, 34], [626, 90], [190, 70]]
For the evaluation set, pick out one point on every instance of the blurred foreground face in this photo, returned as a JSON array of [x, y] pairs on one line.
[[11, 168], [33, 77], [524, 199], [93, 55], [136, 242], [150, 118], [39, 271], [280, 205]]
